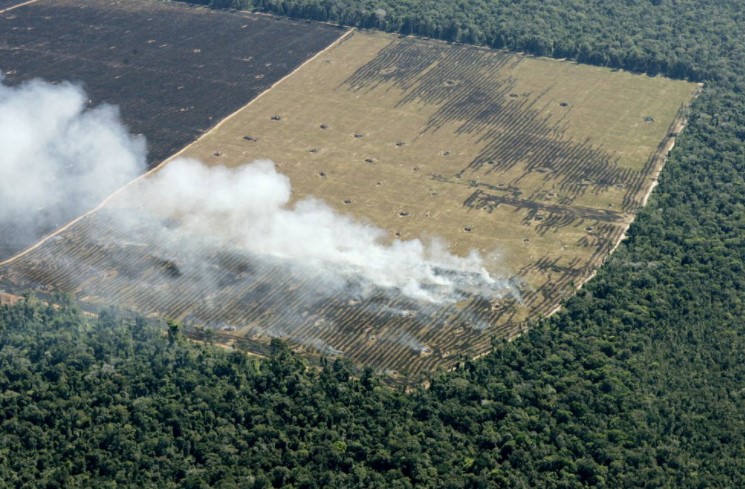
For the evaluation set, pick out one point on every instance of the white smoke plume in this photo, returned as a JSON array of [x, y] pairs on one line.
[[249, 207], [58, 157]]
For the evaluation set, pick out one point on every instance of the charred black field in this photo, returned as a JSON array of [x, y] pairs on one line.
[[174, 70]]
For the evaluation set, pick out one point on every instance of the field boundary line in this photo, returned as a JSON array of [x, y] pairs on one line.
[[676, 128], [156, 168], [8, 9], [336, 42]]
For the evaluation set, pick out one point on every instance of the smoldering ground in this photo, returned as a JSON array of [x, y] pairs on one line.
[[227, 248], [249, 208]]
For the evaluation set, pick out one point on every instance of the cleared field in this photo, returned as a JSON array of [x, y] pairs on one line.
[[174, 71], [540, 162]]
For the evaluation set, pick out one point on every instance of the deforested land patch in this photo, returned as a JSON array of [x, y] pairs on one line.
[[538, 165], [173, 70]]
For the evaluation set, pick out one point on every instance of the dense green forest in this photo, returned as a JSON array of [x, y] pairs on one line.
[[638, 382], [606, 402], [696, 39]]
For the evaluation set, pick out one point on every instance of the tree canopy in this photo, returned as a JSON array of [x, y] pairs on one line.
[[696, 39]]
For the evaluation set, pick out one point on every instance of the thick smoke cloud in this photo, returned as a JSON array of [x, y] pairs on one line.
[[58, 157], [249, 208]]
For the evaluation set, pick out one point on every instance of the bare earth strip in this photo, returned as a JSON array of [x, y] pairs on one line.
[[538, 164]]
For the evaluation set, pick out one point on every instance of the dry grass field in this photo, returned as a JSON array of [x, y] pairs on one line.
[[538, 164]]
